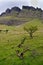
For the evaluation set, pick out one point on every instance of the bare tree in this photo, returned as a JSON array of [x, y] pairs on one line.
[[31, 30], [21, 54], [22, 42]]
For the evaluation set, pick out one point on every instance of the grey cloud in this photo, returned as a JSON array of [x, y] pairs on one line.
[[5, 4]]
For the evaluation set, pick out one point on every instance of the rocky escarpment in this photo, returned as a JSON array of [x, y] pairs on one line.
[[27, 12]]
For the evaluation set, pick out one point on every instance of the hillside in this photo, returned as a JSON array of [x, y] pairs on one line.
[[16, 46], [9, 44], [17, 16]]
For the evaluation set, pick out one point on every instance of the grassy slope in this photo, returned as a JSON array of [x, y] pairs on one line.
[[9, 42], [14, 20]]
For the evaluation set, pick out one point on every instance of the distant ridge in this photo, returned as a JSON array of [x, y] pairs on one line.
[[9, 11], [28, 12], [17, 9]]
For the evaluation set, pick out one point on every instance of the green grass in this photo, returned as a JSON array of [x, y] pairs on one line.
[[9, 42]]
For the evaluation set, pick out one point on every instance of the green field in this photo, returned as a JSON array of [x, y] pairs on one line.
[[9, 44]]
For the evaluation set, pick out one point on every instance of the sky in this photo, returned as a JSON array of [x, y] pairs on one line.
[[4, 4]]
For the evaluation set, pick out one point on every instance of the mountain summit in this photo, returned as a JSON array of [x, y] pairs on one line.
[[17, 16]]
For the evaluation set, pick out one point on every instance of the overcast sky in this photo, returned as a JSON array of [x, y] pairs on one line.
[[4, 4]]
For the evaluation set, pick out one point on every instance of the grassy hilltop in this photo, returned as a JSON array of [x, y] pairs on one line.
[[10, 40]]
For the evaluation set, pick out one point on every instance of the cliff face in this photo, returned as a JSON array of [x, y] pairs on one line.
[[31, 12], [26, 12], [12, 11]]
